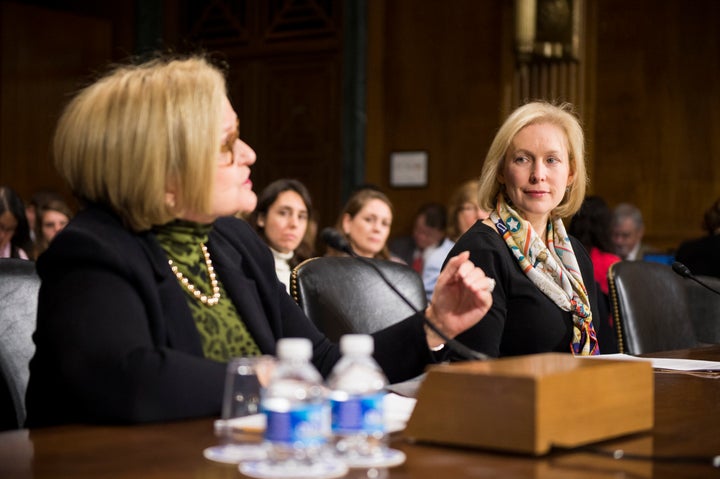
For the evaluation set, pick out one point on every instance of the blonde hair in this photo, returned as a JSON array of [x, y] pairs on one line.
[[534, 113], [141, 130], [465, 193]]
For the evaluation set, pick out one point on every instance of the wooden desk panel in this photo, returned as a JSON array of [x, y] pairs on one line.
[[687, 423]]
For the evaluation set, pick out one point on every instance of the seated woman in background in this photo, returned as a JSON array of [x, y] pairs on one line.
[[51, 217], [32, 207], [365, 221], [702, 255], [591, 226], [14, 230], [533, 176], [463, 212], [155, 285], [283, 218]]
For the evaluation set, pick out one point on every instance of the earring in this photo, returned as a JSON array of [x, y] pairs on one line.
[[567, 190]]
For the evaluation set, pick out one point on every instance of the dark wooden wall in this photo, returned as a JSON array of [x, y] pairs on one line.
[[41, 63], [436, 84], [441, 75], [285, 81], [656, 111], [439, 78]]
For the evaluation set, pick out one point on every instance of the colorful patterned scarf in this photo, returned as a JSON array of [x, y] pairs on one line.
[[552, 268]]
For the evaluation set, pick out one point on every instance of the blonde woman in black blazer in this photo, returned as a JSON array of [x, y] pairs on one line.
[[154, 286]]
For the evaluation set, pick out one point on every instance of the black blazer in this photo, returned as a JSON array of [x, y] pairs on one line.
[[116, 342], [522, 319], [701, 255]]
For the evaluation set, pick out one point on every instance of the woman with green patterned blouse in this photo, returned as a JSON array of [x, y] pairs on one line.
[[154, 285]]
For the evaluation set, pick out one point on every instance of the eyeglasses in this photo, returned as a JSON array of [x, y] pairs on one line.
[[227, 149]]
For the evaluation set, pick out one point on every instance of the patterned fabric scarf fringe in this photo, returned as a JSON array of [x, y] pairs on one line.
[[553, 269]]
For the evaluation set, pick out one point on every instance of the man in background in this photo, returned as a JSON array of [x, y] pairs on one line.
[[627, 230], [428, 233]]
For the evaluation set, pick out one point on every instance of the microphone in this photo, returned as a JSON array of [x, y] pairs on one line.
[[684, 271], [338, 241]]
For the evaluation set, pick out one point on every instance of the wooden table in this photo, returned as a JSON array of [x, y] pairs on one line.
[[687, 425]]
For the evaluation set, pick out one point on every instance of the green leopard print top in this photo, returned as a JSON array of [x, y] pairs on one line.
[[222, 332]]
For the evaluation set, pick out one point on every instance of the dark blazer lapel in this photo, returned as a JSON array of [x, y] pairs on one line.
[[228, 263], [175, 326]]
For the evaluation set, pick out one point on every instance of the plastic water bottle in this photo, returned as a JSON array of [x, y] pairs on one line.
[[296, 407], [357, 388]]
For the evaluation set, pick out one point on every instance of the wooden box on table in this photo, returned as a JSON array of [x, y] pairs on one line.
[[529, 404]]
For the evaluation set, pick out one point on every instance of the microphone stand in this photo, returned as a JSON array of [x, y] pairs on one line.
[[685, 272]]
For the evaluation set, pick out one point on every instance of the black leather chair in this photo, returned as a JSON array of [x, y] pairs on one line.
[[650, 307], [344, 295], [19, 286], [704, 308]]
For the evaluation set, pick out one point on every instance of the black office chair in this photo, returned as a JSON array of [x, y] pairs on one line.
[[19, 286], [344, 295], [650, 308], [704, 308]]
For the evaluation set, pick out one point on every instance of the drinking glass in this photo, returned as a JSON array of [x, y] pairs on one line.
[[241, 425]]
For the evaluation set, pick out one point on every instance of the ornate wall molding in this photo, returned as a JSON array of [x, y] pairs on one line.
[[549, 50]]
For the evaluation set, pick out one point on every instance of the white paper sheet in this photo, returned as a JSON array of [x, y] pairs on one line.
[[666, 363]]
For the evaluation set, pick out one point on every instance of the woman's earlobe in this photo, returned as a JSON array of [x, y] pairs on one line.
[[345, 224]]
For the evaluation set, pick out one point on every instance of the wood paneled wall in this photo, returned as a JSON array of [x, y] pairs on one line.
[[656, 139], [436, 74], [285, 82], [440, 78], [41, 65], [285, 79]]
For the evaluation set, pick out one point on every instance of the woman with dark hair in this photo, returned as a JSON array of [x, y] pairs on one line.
[[591, 225], [51, 217], [284, 219], [14, 230], [38, 198]]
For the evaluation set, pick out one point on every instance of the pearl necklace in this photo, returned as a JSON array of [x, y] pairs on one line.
[[204, 299]]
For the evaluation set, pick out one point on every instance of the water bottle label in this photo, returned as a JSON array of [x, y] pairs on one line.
[[358, 414], [307, 425]]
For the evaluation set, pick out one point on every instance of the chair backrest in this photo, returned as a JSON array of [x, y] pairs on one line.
[[344, 295], [19, 286], [704, 308], [650, 308]]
